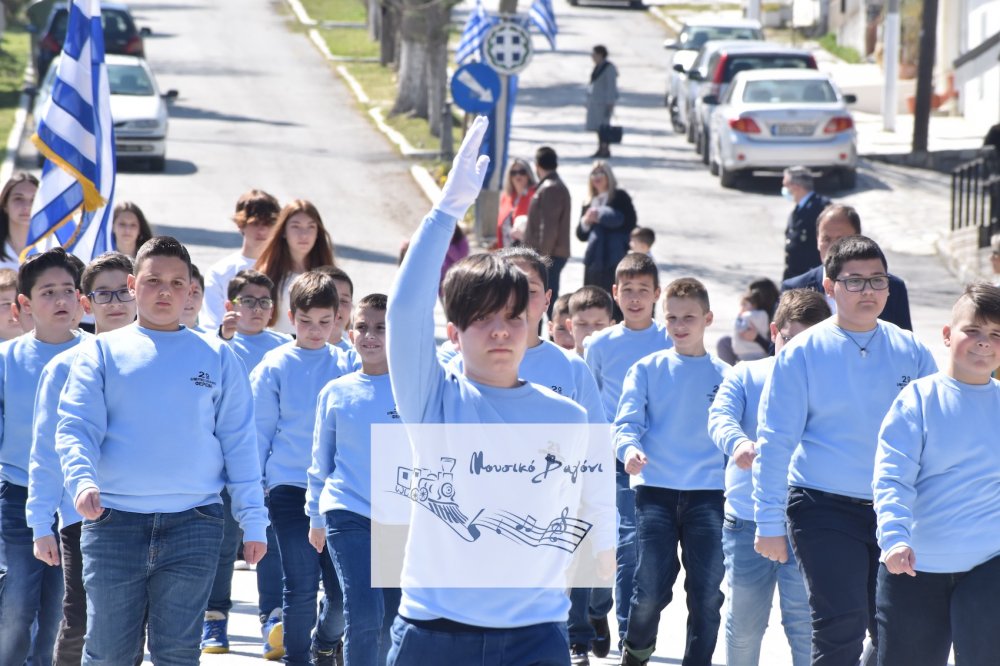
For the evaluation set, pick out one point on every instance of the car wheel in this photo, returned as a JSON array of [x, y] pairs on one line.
[[727, 178], [704, 146], [158, 164], [848, 179], [636, 4], [713, 162], [690, 132], [675, 118]]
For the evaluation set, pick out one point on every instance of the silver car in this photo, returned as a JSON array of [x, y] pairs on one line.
[[770, 119]]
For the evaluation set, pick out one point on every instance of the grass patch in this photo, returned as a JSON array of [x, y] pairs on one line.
[[14, 50], [350, 42], [335, 10], [845, 53]]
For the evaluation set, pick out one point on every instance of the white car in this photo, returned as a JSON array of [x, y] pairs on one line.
[[771, 119], [138, 110]]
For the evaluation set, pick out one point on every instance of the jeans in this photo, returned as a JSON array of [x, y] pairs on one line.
[[555, 271], [666, 518], [368, 611], [919, 617], [30, 590], [162, 563], [535, 645], [220, 598], [625, 556], [302, 568], [269, 583], [69, 646], [834, 541], [752, 580], [586, 603]]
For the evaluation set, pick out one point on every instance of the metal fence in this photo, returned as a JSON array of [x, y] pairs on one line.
[[975, 195]]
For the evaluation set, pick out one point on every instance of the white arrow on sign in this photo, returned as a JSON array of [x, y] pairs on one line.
[[469, 81]]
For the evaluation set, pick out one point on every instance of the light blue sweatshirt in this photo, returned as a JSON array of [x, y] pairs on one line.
[[664, 413], [611, 352], [21, 362], [160, 421], [46, 490], [427, 392], [251, 348], [286, 385], [353, 358], [732, 420], [341, 470], [937, 474], [823, 406]]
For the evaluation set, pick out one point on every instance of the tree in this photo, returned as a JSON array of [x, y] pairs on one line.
[[423, 59]]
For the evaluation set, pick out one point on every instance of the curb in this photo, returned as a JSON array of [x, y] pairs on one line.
[[672, 24], [17, 130], [426, 182], [320, 43], [300, 13]]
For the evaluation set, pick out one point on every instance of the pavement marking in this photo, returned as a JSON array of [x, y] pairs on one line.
[[300, 13]]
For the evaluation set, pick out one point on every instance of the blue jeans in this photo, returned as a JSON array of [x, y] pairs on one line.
[[692, 519], [919, 617], [414, 644], [221, 597], [269, 578], [625, 556], [30, 590], [586, 603], [302, 568], [752, 580], [368, 611], [160, 562]]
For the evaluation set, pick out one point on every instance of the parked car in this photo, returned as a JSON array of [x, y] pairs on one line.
[[138, 110], [683, 50], [120, 34], [768, 120], [726, 63]]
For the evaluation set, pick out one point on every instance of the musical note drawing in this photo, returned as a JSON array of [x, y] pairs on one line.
[[563, 532]]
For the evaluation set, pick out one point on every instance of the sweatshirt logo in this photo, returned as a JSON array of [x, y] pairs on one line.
[[557, 389], [203, 379], [392, 413], [711, 394], [903, 381]]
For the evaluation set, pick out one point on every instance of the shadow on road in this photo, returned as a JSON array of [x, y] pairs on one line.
[[193, 236], [194, 113], [360, 254]]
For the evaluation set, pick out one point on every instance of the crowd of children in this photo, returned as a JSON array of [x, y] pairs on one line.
[[205, 412]]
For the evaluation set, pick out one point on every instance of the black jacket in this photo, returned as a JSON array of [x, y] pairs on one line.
[[897, 307], [607, 241], [800, 237]]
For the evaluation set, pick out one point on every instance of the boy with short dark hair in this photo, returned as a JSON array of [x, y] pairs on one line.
[[147, 482], [641, 240], [10, 328], [345, 296], [591, 309], [937, 475], [662, 439], [30, 590], [559, 323], [286, 385], [816, 447], [732, 423], [108, 299], [248, 309]]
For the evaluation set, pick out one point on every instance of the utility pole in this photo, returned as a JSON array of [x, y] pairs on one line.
[[925, 76], [890, 57]]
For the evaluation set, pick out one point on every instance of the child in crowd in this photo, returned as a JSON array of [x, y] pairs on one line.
[[661, 437], [345, 296], [248, 309], [750, 331], [732, 423], [610, 353], [129, 228], [10, 327], [109, 301], [559, 323], [590, 310], [937, 500], [338, 498], [146, 481], [816, 447], [30, 590], [641, 240], [189, 317], [286, 385]]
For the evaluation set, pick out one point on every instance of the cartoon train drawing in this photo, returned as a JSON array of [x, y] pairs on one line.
[[435, 491]]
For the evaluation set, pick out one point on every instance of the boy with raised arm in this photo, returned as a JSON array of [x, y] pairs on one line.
[[154, 421], [826, 398], [937, 499]]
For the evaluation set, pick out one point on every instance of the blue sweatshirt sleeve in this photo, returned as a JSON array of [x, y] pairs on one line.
[[416, 374], [266, 390], [897, 465], [726, 413], [323, 451], [45, 479], [83, 420], [632, 421]]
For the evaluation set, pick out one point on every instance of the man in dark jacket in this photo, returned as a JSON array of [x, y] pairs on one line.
[[835, 222], [800, 234], [547, 230]]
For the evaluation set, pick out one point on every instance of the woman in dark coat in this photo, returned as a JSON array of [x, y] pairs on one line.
[[607, 221]]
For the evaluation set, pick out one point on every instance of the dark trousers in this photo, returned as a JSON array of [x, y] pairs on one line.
[[834, 541], [221, 597], [72, 629], [920, 616], [555, 270]]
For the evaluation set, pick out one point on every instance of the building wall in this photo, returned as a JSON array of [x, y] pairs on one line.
[[978, 81]]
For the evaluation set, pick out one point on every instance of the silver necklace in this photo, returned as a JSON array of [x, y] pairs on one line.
[[863, 350]]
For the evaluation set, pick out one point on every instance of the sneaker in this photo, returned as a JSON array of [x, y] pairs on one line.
[[629, 659], [274, 636], [241, 565], [600, 645], [334, 657], [578, 655], [214, 639]]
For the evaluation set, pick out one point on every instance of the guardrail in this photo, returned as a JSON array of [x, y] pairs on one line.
[[975, 195]]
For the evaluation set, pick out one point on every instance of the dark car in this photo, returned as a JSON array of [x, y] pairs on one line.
[[120, 34]]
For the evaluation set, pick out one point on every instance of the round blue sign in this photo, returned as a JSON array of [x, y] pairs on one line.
[[475, 87]]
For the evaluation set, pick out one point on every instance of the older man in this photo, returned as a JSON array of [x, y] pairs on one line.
[[800, 234], [547, 230]]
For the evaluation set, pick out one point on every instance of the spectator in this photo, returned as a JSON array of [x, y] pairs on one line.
[[800, 234], [602, 93], [547, 230], [16, 198], [519, 187], [129, 228]]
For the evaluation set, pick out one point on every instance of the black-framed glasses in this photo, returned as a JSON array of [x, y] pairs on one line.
[[878, 283], [105, 296], [250, 302]]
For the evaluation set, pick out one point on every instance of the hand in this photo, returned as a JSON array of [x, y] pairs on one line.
[[88, 504], [47, 550], [467, 173], [901, 560], [635, 460], [607, 565], [228, 328], [773, 548], [254, 551], [744, 454], [591, 216], [317, 538], [748, 334]]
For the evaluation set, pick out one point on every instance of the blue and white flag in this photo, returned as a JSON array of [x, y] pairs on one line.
[[544, 18], [470, 46], [75, 133]]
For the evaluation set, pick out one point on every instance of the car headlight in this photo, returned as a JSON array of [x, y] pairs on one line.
[[143, 124]]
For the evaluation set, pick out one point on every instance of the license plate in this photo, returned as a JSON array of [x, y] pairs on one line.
[[792, 129]]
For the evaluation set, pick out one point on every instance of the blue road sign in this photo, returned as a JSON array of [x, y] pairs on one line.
[[475, 87]]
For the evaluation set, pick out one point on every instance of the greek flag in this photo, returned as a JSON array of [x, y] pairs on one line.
[[544, 18], [476, 27], [75, 134]]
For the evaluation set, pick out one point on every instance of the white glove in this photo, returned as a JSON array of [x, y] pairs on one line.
[[467, 173]]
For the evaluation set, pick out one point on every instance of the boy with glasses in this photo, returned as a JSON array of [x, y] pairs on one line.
[[824, 403]]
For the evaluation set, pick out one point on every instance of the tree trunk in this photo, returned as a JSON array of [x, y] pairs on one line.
[[373, 17], [423, 59], [389, 37]]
